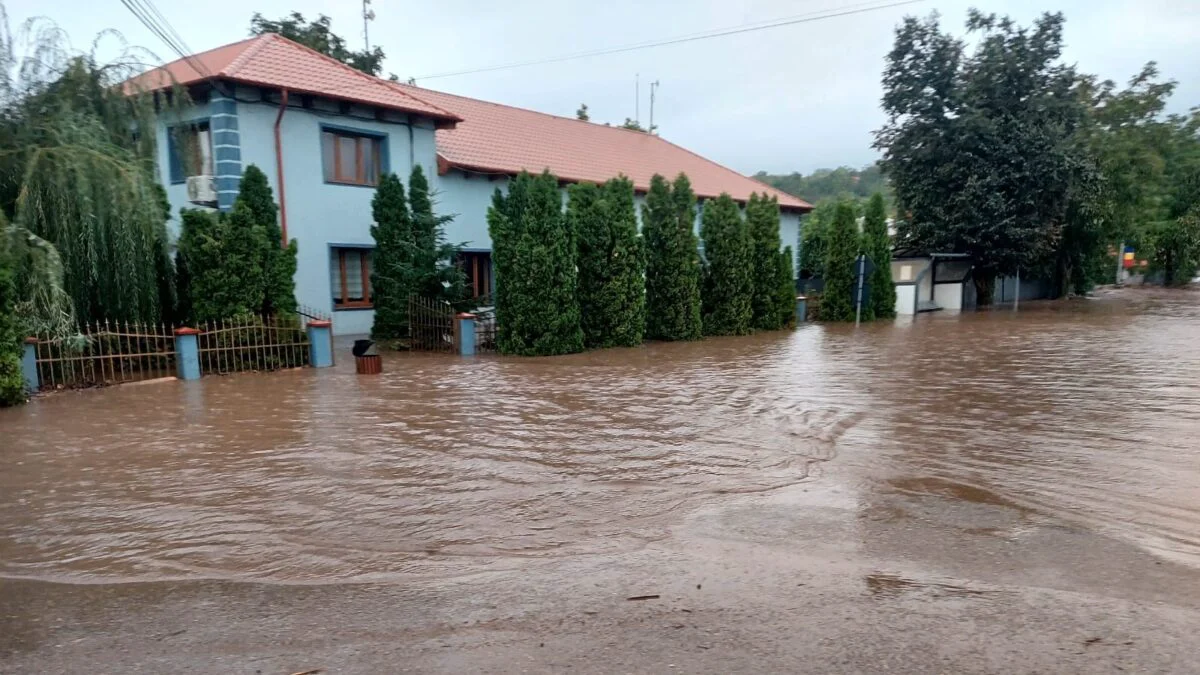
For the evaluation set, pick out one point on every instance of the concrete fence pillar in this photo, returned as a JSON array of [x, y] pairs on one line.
[[464, 334], [187, 353], [320, 344], [801, 308], [29, 371]]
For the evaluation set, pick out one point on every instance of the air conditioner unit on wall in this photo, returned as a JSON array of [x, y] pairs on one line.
[[201, 190]]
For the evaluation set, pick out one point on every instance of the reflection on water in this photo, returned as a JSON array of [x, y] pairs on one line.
[[1087, 410]]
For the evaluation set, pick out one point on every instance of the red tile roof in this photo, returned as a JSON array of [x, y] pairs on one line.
[[495, 138], [274, 61]]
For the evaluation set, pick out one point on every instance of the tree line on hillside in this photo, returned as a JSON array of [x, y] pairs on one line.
[[829, 184], [1010, 155]]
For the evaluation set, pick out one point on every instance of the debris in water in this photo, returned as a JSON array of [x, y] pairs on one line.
[[644, 597]]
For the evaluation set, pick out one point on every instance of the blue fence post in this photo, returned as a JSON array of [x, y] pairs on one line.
[[465, 332], [187, 353], [29, 365], [801, 308], [320, 344]]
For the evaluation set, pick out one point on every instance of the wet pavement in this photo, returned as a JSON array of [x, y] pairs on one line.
[[972, 493]]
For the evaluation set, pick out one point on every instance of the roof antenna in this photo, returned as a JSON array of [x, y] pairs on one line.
[[368, 15], [653, 86], [637, 98]]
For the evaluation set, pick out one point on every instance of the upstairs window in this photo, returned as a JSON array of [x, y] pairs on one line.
[[352, 159], [190, 149]]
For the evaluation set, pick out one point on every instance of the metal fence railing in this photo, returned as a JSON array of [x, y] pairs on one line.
[[104, 353], [253, 343], [430, 325]]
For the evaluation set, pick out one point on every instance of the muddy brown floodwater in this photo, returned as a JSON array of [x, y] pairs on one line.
[[993, 467]]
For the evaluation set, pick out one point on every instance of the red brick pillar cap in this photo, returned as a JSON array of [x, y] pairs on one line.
[[466, 315], [320, 323], [31, 340], [184, 330]]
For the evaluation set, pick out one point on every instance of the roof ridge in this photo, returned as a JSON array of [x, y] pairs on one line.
[[367, 77], [245, 55], [517, 107]]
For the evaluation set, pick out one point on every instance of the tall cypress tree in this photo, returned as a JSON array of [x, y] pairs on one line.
[[12, 384], [612, 303], [785, 288], [534, 249], [392, 265], [728, 283], [437, 275], [279, 260], [878, 247], [837, 300], [672, 261], [762, 220]]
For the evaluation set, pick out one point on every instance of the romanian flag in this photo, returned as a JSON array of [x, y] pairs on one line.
[[1127, 258]]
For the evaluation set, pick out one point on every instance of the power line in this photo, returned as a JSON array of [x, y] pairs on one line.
[[149, 16], [721, 32]]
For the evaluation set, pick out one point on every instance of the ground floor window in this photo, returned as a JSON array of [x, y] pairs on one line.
[[478, 267], [350, 277]]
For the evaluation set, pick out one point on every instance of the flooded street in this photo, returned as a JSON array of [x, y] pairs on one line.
[[793, 498]]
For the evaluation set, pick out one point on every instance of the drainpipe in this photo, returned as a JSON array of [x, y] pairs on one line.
[[283, 103]]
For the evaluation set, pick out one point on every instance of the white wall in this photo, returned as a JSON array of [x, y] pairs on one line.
[[948, 296], [906, 299]]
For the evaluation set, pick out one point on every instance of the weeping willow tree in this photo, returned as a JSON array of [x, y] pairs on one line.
[[77, 170]]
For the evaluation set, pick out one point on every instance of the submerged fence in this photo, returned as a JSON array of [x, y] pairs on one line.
[[436, 325], [104, 353]]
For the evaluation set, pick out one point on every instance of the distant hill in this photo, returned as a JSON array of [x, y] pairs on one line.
[[825, 183]]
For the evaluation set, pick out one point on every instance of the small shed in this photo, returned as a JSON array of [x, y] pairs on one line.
[[927, 282]]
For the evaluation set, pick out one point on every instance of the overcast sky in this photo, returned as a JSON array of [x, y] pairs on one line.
[[794, 98]]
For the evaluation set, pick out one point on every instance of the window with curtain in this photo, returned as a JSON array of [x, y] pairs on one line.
[[190, 149], [350, 277], [351, 158]]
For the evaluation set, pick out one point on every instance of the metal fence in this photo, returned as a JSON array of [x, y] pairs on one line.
[[484, 309], [430, 325], [104, 353], [253, 343]]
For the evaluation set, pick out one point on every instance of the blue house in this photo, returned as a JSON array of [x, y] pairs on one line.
[[324, 133]]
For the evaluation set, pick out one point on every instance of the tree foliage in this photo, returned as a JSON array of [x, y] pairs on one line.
[[393, 265], [814, 239], [785, 288], [1175, 248], [612, 298], [728, 273], [979, 147], [762, 222], [823, 184], [12, 384], [582, 113], [837, 300], [672, 261], [78, 169], [279, 260], [877, 244], [436, 274], [533, 250], [318, 35]]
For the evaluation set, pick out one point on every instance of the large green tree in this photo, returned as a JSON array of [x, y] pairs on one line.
[[318, 35], [279, 257], [78, 169], [534, 249], [393, 264], [672, 261], [877, 244], [979, 146], [728, 273], [837, 299], [436, 274], [612, 298], [12, 384], [762, 221]]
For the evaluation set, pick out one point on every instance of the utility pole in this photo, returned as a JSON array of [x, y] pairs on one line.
[[653, 87], [368, 15]]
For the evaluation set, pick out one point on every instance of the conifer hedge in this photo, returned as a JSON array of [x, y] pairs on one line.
[[728, 255], [612, 301], [672, 261]]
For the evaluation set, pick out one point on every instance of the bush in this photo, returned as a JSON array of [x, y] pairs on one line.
[[12, 383], [612, 300], [837, 299], [393, 265], [727, 272], [533, 249], [279, 260], [672, 261]]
